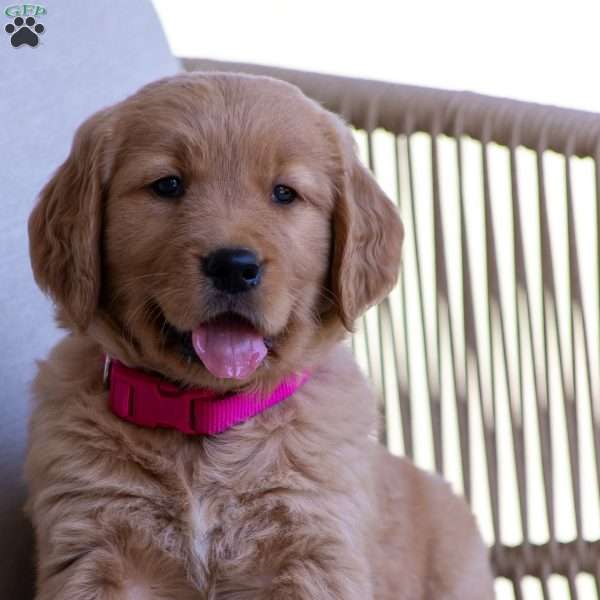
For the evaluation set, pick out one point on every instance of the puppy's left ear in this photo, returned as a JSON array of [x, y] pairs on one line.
[[368, 236], [65, 226]]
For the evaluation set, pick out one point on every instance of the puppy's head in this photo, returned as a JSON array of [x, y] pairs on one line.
[[218, 229]]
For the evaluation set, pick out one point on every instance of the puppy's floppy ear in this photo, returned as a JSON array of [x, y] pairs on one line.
[[65, 226], [368, 238]]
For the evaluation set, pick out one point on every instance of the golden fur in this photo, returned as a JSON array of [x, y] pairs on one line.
[[299, 502]]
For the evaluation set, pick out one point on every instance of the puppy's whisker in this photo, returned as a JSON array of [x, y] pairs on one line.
[[128, 284], [328, 295], [132, 317]]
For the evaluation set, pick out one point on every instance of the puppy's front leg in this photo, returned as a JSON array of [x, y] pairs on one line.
[[307, 567], [112, 573], [311, 576]]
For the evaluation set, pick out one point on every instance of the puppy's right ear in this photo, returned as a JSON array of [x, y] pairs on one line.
[[65, 226]]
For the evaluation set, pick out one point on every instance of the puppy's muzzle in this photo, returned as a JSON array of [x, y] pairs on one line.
[[232, 270]]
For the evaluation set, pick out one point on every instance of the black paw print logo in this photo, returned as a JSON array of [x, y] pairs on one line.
[[22, 32]]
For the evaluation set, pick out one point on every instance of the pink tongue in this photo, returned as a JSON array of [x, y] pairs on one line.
[[229, 349]]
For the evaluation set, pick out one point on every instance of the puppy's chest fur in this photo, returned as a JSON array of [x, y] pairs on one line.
[[213, 504], [243, 500]]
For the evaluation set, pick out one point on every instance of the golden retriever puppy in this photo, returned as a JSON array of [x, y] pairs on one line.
[[214, 236]]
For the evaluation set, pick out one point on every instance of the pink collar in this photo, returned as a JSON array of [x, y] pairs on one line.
[[152, 402]]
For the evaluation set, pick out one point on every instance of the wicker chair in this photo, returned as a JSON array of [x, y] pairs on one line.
[[486, 354]]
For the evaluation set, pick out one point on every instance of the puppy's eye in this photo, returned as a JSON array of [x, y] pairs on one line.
[[282, 194], [168, 187]]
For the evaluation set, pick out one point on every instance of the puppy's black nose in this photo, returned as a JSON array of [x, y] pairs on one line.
[[232, 270]]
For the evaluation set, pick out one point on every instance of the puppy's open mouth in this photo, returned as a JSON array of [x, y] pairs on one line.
[[229, 346]]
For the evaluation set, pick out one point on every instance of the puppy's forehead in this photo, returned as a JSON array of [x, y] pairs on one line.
[[214, 114]]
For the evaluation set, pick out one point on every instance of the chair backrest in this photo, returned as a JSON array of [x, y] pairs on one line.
[[487, 352]]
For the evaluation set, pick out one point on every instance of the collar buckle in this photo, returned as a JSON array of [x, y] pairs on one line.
[[106, 372]]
